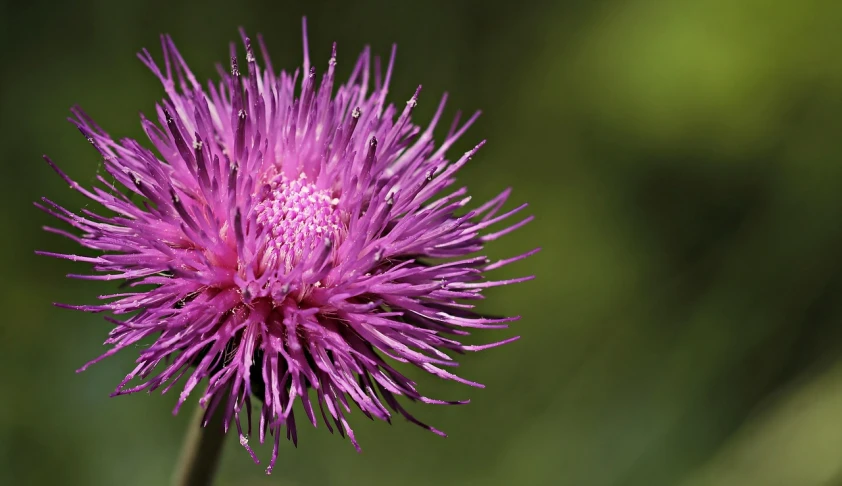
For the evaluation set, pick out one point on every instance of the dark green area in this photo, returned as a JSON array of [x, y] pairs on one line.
[[684, 163]]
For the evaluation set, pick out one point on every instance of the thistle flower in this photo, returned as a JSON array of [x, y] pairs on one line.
[[286, 246]]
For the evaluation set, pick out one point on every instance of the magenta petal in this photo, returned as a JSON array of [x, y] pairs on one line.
[[285, 240]]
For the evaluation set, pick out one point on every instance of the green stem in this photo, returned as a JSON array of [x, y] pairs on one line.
[[201, 450]]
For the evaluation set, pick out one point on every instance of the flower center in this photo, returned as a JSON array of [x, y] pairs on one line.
[[299, 216]]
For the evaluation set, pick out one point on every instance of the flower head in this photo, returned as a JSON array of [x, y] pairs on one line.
[[286, 245]]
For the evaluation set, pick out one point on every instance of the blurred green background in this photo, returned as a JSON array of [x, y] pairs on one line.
[[684, 163]]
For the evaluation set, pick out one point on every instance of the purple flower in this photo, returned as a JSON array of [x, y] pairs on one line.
[[286, 246]]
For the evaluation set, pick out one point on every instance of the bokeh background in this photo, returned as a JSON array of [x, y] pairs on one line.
[[684, 162]]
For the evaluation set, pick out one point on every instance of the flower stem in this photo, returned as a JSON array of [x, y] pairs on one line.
[[201, 450]]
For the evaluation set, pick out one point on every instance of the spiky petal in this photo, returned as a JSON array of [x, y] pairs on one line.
[[286, 246]]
